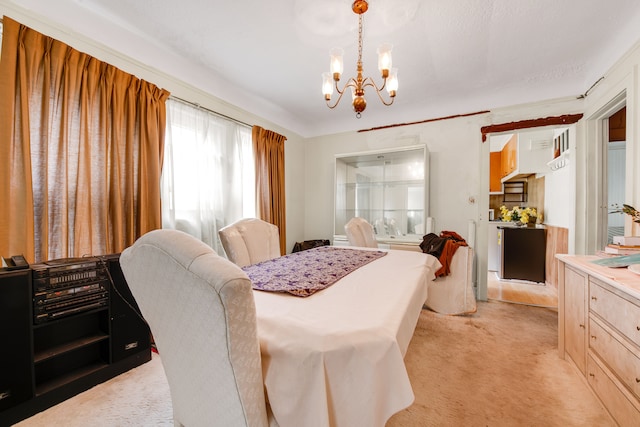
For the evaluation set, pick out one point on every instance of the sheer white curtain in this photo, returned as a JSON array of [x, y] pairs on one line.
[[208, 178]]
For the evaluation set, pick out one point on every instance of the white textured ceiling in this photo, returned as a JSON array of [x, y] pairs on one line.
[[453, 56]]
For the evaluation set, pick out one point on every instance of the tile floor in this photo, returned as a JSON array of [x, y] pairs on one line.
[[521, 292]]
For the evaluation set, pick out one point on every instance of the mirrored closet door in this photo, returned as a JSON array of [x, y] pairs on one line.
[[387, 188]]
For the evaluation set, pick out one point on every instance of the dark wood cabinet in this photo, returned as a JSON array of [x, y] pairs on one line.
[[48, 357], [69, 349], [522, 253], [16, 378]]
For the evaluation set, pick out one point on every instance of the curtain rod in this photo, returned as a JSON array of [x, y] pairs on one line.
[[194, 104]]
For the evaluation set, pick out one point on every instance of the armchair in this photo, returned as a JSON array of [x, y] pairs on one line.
[[201, 311], [454, 294], [249, 241], [360, 233]]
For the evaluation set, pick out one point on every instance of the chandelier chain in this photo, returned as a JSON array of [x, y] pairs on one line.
[[360, 24]]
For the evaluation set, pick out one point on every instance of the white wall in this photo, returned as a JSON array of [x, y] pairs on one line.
[[454, 147], [560, 192], [559, 197]]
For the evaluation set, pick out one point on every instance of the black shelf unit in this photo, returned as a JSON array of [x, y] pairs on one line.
[[514, 191], [45, 363], [69, 348]]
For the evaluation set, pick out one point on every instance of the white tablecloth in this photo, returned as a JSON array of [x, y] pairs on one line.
[[336, 357]]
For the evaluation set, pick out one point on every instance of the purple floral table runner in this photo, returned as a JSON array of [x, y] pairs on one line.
[[307, 272]]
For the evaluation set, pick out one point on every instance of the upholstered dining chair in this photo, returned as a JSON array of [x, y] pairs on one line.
[[249, 241], [360, 233], [201, 312]]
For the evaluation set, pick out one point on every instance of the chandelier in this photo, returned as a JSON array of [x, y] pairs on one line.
[[358, 84]]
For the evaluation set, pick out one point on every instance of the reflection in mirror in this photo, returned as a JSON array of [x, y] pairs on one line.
[[387, 188]]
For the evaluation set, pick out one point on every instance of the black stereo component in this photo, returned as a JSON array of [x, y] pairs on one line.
[[68, 286], [130, 333]]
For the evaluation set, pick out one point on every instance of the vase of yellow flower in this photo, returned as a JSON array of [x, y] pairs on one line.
[[529, 217], [525, 216]]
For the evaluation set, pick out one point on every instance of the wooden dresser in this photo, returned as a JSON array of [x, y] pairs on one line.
[[599, 331]]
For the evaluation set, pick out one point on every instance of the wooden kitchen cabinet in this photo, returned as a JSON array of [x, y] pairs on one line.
[[599, 329], [495, 172], [509, 156], [526, 154]]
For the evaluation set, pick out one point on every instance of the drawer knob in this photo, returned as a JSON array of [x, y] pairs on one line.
[[594, 298], [638, 380], [592, 375], [638, 328], [582, 325], [593, 337]]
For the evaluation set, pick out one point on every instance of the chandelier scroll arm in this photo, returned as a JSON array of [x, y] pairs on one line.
[[350, 83], [370, 82]]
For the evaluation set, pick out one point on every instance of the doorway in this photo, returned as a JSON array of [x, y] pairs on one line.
[[602, 184], [539, 182], [534, 154], [615, 166]]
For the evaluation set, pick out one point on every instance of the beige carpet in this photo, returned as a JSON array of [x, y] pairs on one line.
[[497, 367]]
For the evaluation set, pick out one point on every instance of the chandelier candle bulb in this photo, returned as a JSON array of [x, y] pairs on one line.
[[392, 82], [327, 86], [337, 66], [384, 59]]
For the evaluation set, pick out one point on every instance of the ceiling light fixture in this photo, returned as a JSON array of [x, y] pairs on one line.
[[357, 85]]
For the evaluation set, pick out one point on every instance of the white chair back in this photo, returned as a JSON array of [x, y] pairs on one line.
[[360, 233], [250, 241], [201, 312]]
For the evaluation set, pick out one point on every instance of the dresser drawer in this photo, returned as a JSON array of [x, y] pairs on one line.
[[622, 360], [619, 312], [623, 407]]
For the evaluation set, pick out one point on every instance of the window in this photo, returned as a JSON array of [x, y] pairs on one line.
[[208, 174]]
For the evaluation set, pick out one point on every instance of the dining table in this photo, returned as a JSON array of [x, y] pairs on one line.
[[336, 358]]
